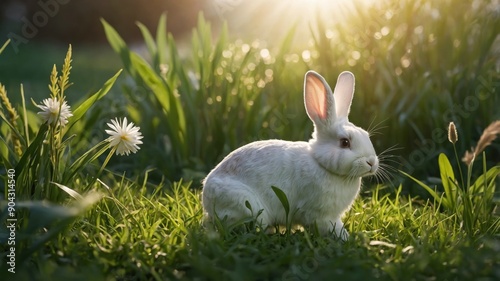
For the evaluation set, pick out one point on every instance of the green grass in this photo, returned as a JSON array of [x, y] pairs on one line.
[[81, 216], [136, 234]]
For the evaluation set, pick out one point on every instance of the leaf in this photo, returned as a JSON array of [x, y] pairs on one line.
[[118, 45], [431, 191], [13, 129], [283, 199], [247, 204], [70, 191], [448, 179], [85, 159], [84, 107], [218, 50], [4, 45], [43, 214], [161, 38], [5, 151], [34, 147], [154, 227], [151, 79], [485, 180], [148, 39], [164, 94]]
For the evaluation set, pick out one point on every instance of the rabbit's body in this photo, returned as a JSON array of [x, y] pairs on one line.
[[312, 191], [321, 178]]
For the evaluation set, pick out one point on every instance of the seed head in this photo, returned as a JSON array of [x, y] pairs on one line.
[[452, 133]]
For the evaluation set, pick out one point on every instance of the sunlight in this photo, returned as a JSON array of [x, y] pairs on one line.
[[307, 6], [267, 20], [312, 8]]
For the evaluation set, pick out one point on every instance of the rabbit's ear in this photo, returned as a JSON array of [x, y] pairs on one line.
[[318, 99], [343, 93]]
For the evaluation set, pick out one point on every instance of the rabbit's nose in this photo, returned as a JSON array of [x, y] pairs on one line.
[[372, 162]]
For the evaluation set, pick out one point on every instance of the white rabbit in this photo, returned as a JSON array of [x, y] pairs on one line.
[[321, 178]]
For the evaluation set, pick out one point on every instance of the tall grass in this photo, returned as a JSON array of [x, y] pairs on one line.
[[471, 201], [138, 233], [418, 65], [40, 168], [38, 150], [196, 109]]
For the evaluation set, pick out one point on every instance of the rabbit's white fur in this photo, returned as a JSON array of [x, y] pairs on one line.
[[321, 178]]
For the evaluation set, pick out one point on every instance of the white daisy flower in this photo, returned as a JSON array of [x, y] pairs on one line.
[[124, 136], [54, 113]]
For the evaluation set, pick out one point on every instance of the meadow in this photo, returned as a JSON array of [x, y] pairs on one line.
[[74, 209]]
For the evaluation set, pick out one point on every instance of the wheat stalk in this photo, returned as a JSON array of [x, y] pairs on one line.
[[13, 116]]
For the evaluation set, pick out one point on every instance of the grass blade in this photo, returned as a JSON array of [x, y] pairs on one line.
[[68, 190], [118, 45], [161, 39], [448, 179], [431, 191], [59, 217], [85, 106], [283, 199], [484, 181], [4, 45], [150, 43], [34, 147]]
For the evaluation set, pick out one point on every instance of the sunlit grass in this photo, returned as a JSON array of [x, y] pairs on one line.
[[134, 233], [139, 218]]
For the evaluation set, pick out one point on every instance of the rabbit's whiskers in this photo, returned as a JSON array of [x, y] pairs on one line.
[[375, 129], [384, 172]]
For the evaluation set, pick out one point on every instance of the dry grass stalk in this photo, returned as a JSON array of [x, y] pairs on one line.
[[488, 136]]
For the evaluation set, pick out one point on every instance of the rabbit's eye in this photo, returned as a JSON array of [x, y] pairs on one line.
[[345, 143]]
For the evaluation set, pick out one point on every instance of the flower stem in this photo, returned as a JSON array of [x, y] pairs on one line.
[[459, 168], [113, 150]]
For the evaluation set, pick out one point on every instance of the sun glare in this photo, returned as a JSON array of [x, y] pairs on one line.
[[269, 19], [312, 8], [307, 5]]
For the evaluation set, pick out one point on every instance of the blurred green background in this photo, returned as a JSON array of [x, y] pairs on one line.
[[56, 23], [418, 65]]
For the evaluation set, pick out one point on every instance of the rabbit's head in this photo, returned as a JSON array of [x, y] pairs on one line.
[[338, 146]]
